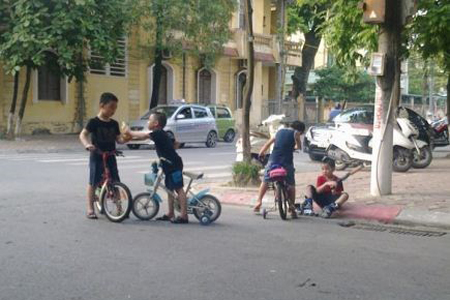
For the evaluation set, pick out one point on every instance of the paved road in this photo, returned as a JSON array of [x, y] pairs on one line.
[[49, 250]]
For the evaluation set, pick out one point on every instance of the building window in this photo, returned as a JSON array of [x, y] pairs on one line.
[[242, 14], [118, 68], [241, 79], [48, 83], [204, 87]]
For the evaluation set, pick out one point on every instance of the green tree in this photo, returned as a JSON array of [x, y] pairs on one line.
[[32, 30], [307, 16], [196, 27], [334, 84], [430, 35]]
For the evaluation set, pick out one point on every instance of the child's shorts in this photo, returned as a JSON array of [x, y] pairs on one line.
[[324, 199], [96, 168], [174, 180], [290, 178]]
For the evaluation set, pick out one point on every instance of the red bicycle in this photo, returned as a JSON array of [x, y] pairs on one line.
[[112, 198]]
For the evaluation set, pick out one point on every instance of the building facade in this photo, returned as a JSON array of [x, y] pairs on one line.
[[54, 103]]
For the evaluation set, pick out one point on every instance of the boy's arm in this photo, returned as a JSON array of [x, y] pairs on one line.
[[298, 140], [84, 138], [266, 146]]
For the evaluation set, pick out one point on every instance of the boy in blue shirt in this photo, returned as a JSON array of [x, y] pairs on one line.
[[173, 171], [285, 142]]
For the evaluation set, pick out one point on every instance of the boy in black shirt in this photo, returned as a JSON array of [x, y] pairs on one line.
[[173, 171], [104, 133]]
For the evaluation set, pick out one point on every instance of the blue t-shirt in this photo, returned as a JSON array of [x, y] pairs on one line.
[[284, 146]]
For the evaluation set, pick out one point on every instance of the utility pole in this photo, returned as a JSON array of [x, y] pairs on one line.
[[386, 66], [391, 15]]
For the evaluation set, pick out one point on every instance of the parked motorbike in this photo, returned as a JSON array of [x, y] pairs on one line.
[[440, 133], [353, 146], [267, 129], [422, 155]]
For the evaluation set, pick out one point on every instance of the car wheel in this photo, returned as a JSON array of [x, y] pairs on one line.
[[211, 139], [133, 146], [229, 136]]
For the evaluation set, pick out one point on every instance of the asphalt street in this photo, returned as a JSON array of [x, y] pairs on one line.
[[49, 250]]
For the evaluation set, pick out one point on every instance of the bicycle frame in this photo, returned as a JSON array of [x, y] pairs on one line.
[[194, 198]]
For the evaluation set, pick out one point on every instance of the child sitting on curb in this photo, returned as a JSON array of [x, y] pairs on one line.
[[328, 194]]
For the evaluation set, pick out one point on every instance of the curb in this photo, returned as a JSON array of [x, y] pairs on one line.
[[387, 214]]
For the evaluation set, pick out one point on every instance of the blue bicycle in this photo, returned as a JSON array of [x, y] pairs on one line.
[[205, 207]]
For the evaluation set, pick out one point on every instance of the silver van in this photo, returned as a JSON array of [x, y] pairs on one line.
[[187, 123]]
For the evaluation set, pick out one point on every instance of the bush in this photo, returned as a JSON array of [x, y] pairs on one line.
[[245, 174]]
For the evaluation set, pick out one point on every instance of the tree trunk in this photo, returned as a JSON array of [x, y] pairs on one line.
[[80, 112], [248, 90], [309, 50], [12, 109], [448, 99], [157, 69], [280, 65], [23, 102]]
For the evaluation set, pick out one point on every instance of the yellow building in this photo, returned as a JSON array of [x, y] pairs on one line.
[[53, 101]]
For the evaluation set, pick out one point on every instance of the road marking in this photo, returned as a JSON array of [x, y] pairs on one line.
[[199, 169], [218, 175], [81, 159]]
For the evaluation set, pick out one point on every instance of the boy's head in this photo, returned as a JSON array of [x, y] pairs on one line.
[[108, 104], [328, 167], [157, 120], [299, 126]]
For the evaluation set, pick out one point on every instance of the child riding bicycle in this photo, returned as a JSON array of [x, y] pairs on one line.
[[172, 164], [104, 132], [285, 142]]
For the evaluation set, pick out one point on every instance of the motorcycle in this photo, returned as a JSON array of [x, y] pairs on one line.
[[353, 146], [266, 130], [422, 155], [440, 132]]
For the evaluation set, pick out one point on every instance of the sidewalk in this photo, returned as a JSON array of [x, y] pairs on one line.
[[419, 196]]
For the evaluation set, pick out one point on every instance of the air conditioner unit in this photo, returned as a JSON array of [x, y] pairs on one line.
[[166, 54], [242, 63]]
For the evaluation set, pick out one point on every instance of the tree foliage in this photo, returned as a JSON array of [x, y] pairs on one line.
[[197, 27], [65, 28], [349, 39], [307, 16], [430, 31], [333, 84]]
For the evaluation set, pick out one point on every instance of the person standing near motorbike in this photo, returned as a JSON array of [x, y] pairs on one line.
[[286, 140]]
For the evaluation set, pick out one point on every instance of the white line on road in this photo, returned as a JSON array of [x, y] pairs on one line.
[[82, 159]]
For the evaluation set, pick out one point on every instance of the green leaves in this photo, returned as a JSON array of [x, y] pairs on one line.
[[199, 27], [62, 27], [334, 83]]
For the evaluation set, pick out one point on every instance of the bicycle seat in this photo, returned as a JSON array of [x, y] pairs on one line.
[[193, 175]]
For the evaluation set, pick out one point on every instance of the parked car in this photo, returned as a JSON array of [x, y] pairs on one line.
[[224, 121], [187, 123], [317, 138]]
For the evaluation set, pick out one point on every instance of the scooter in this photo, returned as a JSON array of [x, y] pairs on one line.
[[353, 146], [266, 130], [422, 155], [440, 132]]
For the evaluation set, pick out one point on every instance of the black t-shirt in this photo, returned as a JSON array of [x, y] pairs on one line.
[[164, 148], [103, 134]]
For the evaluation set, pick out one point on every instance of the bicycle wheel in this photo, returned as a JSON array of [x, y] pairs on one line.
[[97, 204], [282, 202], [208, 203], [116, 201], [144, 207]]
